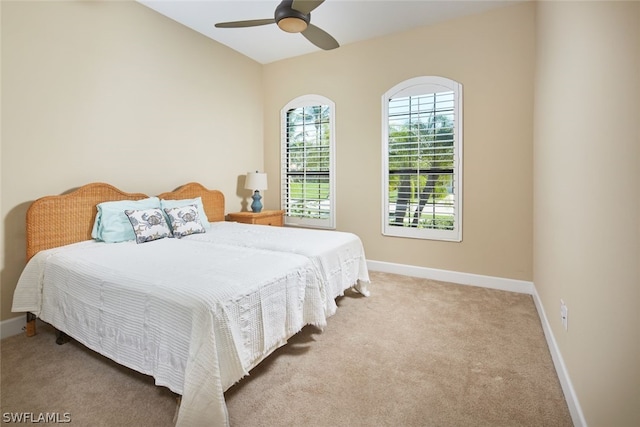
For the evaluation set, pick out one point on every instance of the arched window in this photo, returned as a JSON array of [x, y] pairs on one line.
[[307, 162], [422, 159]]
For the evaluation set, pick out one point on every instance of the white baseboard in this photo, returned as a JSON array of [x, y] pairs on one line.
[[499, 283], [13, 326], [577, 416]]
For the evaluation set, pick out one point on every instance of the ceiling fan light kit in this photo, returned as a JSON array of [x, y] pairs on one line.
[[292, 25], [292, 16]]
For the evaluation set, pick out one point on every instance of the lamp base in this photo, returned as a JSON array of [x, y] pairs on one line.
[[256, 206]]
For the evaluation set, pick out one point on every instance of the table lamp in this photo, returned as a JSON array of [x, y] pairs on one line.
[[256, 181]]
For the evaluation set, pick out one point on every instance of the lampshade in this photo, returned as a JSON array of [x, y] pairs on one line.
[[256, 181]]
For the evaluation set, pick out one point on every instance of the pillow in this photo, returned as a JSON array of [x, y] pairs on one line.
[[184, 220], [112, 225], [148, 224], [184, 202]]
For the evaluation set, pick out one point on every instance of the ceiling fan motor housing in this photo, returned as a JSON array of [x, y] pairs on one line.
[[289, 19]]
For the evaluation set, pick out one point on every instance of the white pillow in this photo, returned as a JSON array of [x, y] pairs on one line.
[[148, 224], [185, 220]]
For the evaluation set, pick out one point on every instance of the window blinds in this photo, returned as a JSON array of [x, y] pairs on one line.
[[421, 159]]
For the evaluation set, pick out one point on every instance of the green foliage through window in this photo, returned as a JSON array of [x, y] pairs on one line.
[[421, 156]]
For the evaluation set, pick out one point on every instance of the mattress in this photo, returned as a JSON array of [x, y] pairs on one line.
[[337, 256], [176, 309]]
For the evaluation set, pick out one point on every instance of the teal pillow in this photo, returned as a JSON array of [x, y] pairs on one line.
[[112, 224], [170, 204]]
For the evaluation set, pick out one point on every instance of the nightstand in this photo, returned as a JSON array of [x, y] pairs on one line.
[[275, 218]]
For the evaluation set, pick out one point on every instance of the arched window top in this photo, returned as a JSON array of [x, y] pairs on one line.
[[421, 85], [308, 100]]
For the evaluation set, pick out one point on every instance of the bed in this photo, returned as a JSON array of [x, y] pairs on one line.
[[197, 312]]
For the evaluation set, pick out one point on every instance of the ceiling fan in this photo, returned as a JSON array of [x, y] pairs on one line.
[[292, 16]]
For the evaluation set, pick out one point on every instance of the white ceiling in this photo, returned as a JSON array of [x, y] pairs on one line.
[[348, 21]]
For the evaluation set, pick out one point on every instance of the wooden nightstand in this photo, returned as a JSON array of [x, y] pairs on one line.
[[275, 218]]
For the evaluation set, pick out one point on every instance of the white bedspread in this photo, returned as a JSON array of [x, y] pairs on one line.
[[338, 256], [176, 309]]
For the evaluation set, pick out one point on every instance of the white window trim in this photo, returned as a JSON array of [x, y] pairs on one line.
[[412, 87], [306, 101]]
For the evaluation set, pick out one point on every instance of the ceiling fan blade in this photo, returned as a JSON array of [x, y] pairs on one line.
[[305, 6], [242, 24], [320, 38]]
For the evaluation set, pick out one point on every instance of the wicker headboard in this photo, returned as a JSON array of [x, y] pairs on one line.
[[60, 220], [212, 200], [54, 221]]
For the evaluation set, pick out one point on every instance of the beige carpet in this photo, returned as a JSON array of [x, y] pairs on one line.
[[415, 353]]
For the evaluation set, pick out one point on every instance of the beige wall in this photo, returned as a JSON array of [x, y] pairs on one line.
[[115, 92], [492, 55], [90, 90], [587, 198]]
